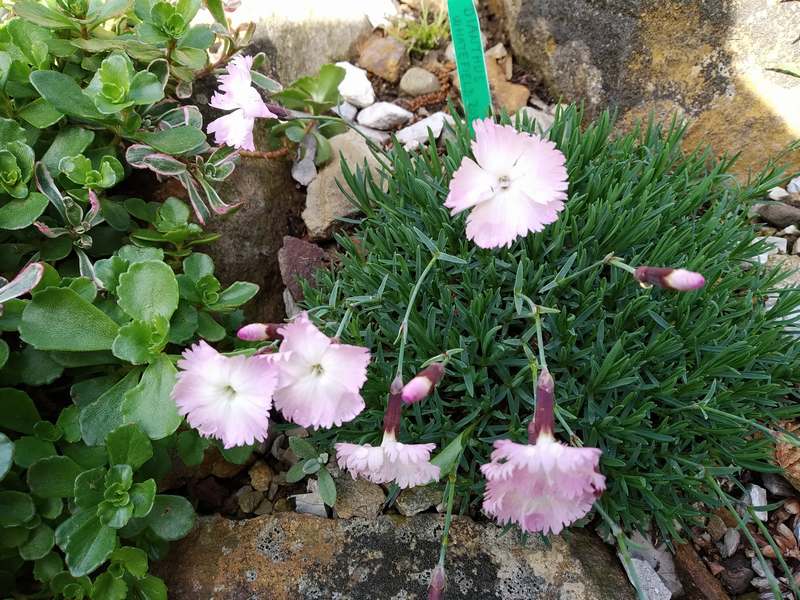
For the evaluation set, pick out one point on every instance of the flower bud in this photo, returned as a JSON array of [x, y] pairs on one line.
[[257, 332], [438, 581], [543, 418], [422, 385], [673, 279]]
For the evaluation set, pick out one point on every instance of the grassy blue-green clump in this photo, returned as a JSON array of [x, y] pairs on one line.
[[666, 384]]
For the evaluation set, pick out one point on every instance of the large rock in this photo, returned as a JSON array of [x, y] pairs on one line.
[[706, 60], [251, 237], [299, 36], [325, 202], [295, 557]]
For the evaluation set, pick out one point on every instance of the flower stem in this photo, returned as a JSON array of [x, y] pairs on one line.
[[622, 543], [556, 282], [448, 517], [539, 336], [402, 333], [621, 265]]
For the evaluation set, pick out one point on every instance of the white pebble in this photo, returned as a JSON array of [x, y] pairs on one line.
[[356, 88]]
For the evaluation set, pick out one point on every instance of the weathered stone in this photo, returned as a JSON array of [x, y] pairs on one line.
[[356, 88], [778, 214], [777, 485], [261, 476], [416, 134], [248, 249], [265, 508], [310, 503], [716, 527], [294, 557], [652, 586], [325, 202], [386, 57], [417, 81], [730, 542], [624, 54], [383, 116], [299, 260], [346, 110], [248, 499], [299, 36], [358, 498], [413, 501]]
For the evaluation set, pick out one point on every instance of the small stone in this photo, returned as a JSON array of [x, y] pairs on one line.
[[757, 496], [383, 116], [737, 574], [790, 231], [273, 490], [356, 88], [261, 476], [778, 194], [794, 186], [796, 246], [716, 527], [496, 52], [386, 57], [418, 81], [304, 168], [730, 542], [282, 505], [300, 432], [358, 498], [248, 499], [544, 120], [310, 503], [778, 214], [777, 485], [417, 134], [377, 136], [415, 500], [759, 568], [265, 508], [299, 260], [654, 588], [325, 201], [346, 110]]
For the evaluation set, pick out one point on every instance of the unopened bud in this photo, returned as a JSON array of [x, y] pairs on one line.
[[438, 581], [673, 279], [543, 417], [257, 332], [422, 385]]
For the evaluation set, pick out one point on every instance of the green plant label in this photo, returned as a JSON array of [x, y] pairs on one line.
[[466, 32]]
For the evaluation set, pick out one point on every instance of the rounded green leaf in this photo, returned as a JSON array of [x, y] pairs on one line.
[[29, 449], [86, 542], [39, 543], [17, 411], [128, 445], [59, 319], [15, 508], [171, 518], [47, 567], [53, 477], [150, 403], [18, 214], [147, 290], [3, 353]]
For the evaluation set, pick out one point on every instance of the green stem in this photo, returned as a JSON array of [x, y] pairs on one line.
[[622, 543], [448, 517], [402, 334], [540, 336], [621, 265], [170, 50], [556, 282], [778, 554]]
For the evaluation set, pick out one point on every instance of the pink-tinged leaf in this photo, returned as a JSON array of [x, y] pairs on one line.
[[51, 232], [94, 207], [181, 116], [216, 203], [144, 157], [195, 198], [24, 282], [46, 185]]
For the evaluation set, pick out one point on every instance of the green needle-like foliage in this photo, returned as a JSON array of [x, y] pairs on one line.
[[668, 385]]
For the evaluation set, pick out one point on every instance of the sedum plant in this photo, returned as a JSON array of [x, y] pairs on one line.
[[101, 290]]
